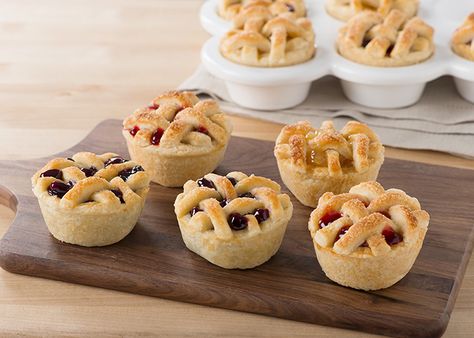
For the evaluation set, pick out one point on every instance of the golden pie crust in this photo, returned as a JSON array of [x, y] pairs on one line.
[[207, 230], [313, 161], [462, 41], [90, 213], [261, 40], [392, 41], [362, 258], [229, 9], [177, 137], [346, 9]]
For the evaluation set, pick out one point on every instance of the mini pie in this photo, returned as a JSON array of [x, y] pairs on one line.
[[369, 38], [89, 199], [313, 161], [261, 40], [462, 41], [368, 238], [346, 9], [229, 9], [234, 221], [177, 137]]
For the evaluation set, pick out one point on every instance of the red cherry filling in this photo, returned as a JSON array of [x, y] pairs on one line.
[[290, 7], [261, 215], [223, 203], [391, 237], [59, 189], [341, 233], [247, 195], [56, 173], [156, 137], [202, 130], [232, 180], [119, 195], [126, 173], [89, 171], [114, 160], [202, 182], [194, 211], [153, 106], [134, 131], [237, 221], [328, 218]]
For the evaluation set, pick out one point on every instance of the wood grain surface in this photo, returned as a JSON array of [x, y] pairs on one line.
[[153, 260]]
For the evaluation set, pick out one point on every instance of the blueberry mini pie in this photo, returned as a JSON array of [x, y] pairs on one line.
[[313, 161], [229, 9], [177, 137], [368, 238], [89, 199], [392, 41], [260, 40], [234, 221], [346, 9], [462, 41]]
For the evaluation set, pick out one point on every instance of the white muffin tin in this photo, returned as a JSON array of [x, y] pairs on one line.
[[378, 87]]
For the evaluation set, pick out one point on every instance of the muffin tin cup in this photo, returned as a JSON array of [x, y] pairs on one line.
[[377, 87]]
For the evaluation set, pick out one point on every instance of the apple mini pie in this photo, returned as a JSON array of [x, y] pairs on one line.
[[313, 161]]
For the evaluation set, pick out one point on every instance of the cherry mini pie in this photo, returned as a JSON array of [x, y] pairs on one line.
[[177, 137], [89, 199], [234, 221], [313, 161], [392, 41], [462, 41], [259, 39], [346, 9], [368, 238], [229, 9]]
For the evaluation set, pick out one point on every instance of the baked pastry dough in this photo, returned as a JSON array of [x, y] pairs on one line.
[[229, 9], [89, 199], [313, 161], [462, 41], [346, 9], [177, 137], [234, 221], [261, 40], [368, 238], [369, 38]]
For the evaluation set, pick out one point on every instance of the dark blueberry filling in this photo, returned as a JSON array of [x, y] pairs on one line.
[[134, 131], [247, 195], [203, 182], [119, 195], [329, 218], [114, 160], [194, 211], [232, 180], [56, 173], [89, 171], [224, 202], [237, 221], [126, 173], [59, 189], [70, 159], [156, 137], [261, 215]]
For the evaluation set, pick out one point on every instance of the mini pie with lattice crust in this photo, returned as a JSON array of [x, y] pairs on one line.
[[234, 221], [313, 161], [260, 40], [462, 41], [392, 41], [229, 9], [346, 9], [177, 137], [368, 238], [89, 199]]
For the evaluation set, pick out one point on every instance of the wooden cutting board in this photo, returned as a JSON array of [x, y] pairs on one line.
[[153, 260]]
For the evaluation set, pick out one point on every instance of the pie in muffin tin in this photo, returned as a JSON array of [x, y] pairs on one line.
[[374, 84]]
